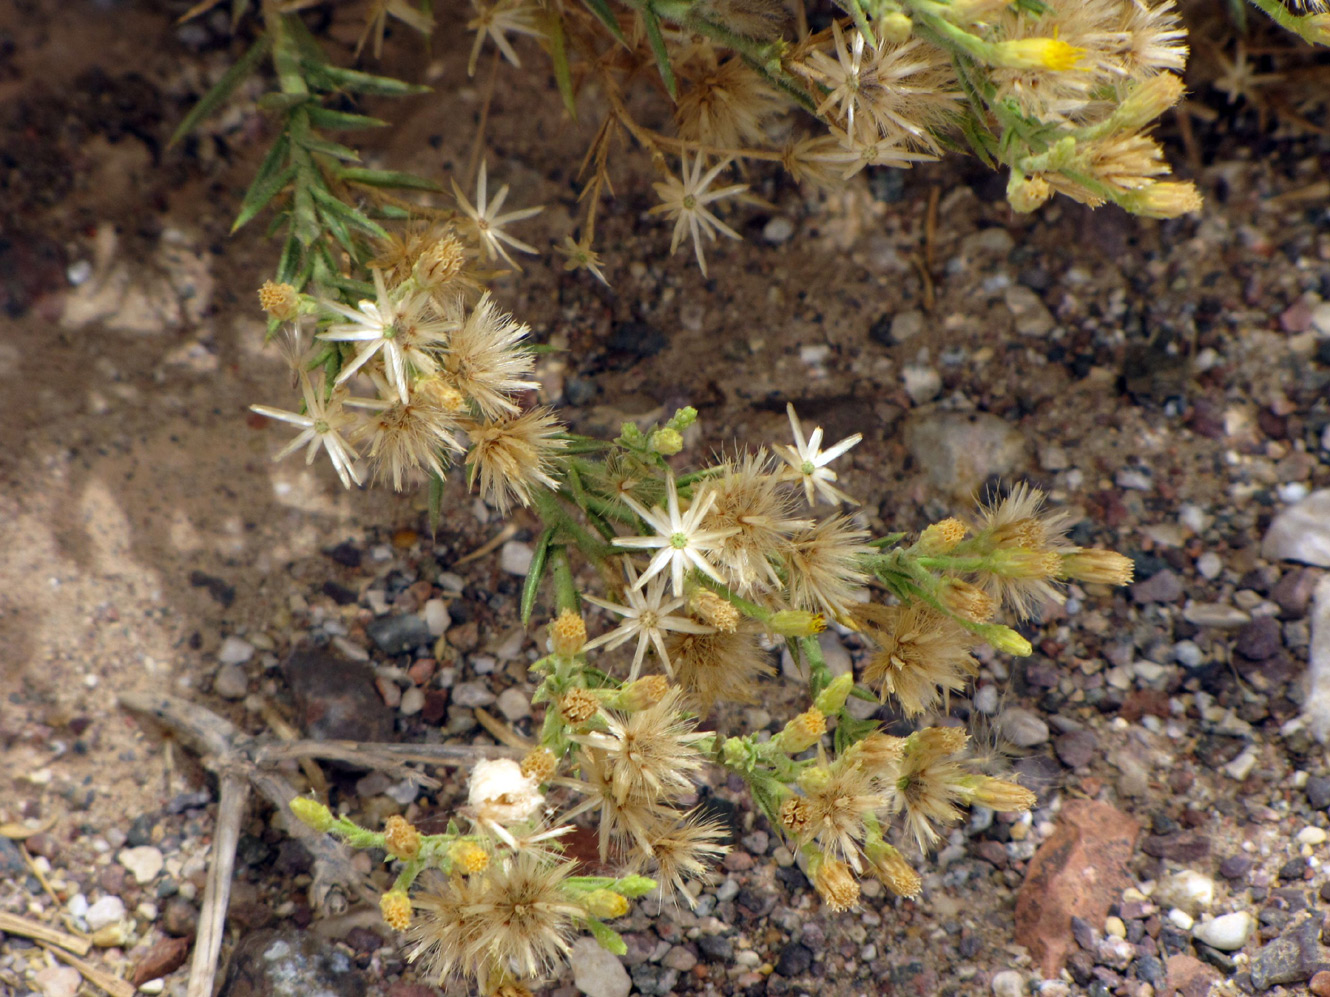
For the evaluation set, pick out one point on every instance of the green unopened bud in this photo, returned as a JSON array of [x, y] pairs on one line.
[[682, 418], [312, 813], [605, 904], [895, 28], [1005, 639], [797, 623], [635, 886], [813, 778], [831, 699], [666, 441], [735, 752]]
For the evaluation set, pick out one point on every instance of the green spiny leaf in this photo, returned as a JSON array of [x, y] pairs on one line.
[[606, 17], [563, 73], [657, 42], [535, 574], [386, 178], [330, 204], [223, 89], [272, 176], [341, 121], [354, 81]]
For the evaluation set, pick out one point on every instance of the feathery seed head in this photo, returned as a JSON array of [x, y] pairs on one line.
[[512, 456], [486, 360], [823, 567], [499, 792], [686, 850], [879, 754], [719, 667], [922, 655], [932, 781], [1002, 795], [839, 807], [650, 753], [440, 262], [400, 838]]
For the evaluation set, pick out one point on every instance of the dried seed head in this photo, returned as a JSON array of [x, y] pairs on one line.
[[440, 262], [539, 764], [795, 815], [923, 656], [512, 989], [837, 885], [879, 754], [567, 633], [468, 857], [401, 838], [395, 906], [281, 301], [715, 610], [578, 706]]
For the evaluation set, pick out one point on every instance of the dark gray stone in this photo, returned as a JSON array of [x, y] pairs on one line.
[[398, 634], [1318, 792], [335, 698], [1291, 958], [795, 960], [1259, 639], [290, 963], [715, 948]]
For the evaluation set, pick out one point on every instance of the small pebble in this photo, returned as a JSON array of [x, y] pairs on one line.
[[235, 651], [515, 559], [231, 682], [472, 694], [1312, 836], [515, 704], [107, 910], [435, 612], [1114, 925], [1228, 933], [922, 383], [1180, 919], [413, 701], [1008, 983], [906, 325], [776, 231], [1022, 727], [58, 981], [1188, 890], [1209, 566]]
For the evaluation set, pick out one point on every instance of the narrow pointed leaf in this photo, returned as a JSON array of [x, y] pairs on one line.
[[341, 121], [288, 264], [535, 573], [387, 178], [657, 42], [272, 176], [608, 938], [354, 81], [223, 89], [563, 73], [282, 102], [328, 203], [435, 504], [316, 143], [605, 15]]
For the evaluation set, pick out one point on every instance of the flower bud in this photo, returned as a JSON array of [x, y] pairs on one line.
[[942, 537], [890, 867], [1005, 639], [802, 732], [1037, 53], [312, 813], [836, 883], [797, 623], [440, 263], [999, 794], [539, 764], [578, 705], [666, 441], [401, 839], [395, 906], [281, 301], [1024, 562], [813, 778], [832, 699], [1025, 194], [643, 693], [894, 27], [1105, 567], [468, 857], [567, 633], [715, 610], [605, 904], [1147, 100], [966, 600]]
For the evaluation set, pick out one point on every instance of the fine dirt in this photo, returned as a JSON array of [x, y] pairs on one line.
[[1164, 381]]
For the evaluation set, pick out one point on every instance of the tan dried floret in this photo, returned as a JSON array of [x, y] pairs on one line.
[[922, 655], [400, 838], [539, 764], [578, 705]]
